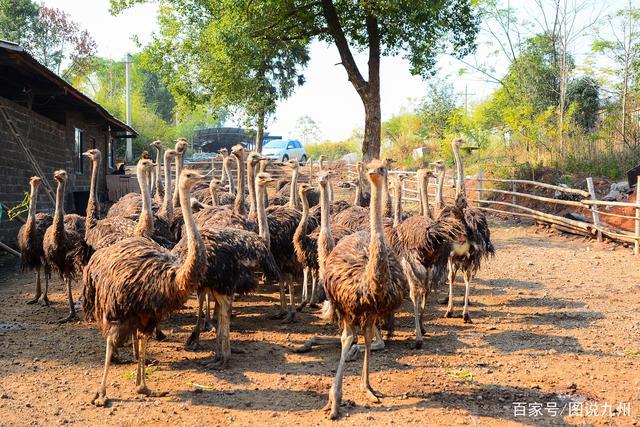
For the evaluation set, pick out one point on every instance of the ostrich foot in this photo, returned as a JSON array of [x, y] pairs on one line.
[[448, 313], [45, 301], [143, 389], [71, 317], [193, 342], [443, 300], [100, 400], [236, 350], [302, 305], [289, 318], [466, 318], [278, 315], [209, 326], [334, 409], [417, 345], [34, 300], [160, 336], [373, 395], [353, 352]]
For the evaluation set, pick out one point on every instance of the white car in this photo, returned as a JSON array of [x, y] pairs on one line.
[[282, 150]]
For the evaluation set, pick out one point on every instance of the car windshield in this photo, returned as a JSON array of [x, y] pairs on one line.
[[276, 144]]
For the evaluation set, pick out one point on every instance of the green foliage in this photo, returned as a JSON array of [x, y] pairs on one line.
[[19, 21], [335, 150], [584, 93]]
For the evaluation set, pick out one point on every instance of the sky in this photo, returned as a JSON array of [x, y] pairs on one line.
[[327, 96]]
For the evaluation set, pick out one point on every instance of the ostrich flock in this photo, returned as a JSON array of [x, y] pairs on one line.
[[154, 249]]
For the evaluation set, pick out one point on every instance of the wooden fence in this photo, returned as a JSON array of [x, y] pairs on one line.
[[586, 202]]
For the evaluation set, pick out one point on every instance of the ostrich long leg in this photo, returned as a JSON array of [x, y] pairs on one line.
[[100, 399], [283, 303], [313, 302], [335, 394], [194, 338], [47, 273], [467, 285], [38, 288], [136, 346], [414, 294], [305, 289], [208, 324], [377, 345], [452, 278], [72, 308], [142, 388], [289, 318], [223, 344], [371, 393]]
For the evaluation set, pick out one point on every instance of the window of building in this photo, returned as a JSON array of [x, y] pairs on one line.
[[78, 159]]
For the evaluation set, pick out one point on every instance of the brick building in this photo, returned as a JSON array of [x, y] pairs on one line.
[[46, 124]]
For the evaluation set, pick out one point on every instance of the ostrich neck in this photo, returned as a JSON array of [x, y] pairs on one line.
[[31, 219], [301, 229], [385, 194], [424, 197], [144, 228], [93, 207], [58, 216], [325, 239], [166, 210], [377, 270], [232, 185], [330, 188], [214, 195], [238, 205], [439, 194], [459, 171], [192, 269], [159, 188], [293, 201], [263, 224], [397, 202], [251, 178], [176, 196]]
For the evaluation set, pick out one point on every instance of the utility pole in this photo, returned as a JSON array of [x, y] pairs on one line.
[[129, 151], [466, 99]]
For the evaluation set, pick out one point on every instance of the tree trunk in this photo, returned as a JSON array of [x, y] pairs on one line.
[[260, 131], [372, 125]]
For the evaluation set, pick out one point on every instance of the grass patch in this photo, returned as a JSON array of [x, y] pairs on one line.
[[632, 353], [461, 374], [147, 372]]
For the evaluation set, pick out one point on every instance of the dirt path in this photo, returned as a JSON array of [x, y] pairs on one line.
[[556, 324]]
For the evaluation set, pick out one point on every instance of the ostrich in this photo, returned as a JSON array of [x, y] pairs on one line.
[[423, 247], [30, 239], [225, 175], [474, 245], [106, 232], [233, 258], [132, 285], [181, 150], [397, 198], [166, 208], [306, 245], [386, 200], [159, 188], [281, 198], [423, 177], [362, 197], [321, 160], [365, 284], [64, 247]]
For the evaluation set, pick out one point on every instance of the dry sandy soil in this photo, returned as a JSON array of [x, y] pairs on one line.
[[556, 323]]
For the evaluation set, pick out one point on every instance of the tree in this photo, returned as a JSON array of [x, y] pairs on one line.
[[49, 35], [417, 29], [621, 46], [205, 52], [584, 93], [437, 107], [307, 130]]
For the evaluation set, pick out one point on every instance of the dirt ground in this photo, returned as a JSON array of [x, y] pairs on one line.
[[556, 331]]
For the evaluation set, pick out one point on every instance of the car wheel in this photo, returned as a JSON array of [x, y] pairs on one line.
[[303, 160], [285, 158]]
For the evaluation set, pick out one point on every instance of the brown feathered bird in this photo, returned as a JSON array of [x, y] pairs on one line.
[[30, 240], [470, 248], [159, 187], [132, 285], [64, 247], [234, 258], [423, 247], [364, 283]]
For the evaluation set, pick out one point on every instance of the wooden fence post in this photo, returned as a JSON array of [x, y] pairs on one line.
[[479, 179], [636, 244], [594, 208], [513, 188]]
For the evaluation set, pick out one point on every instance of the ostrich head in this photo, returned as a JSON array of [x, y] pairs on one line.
[[224, 152], [263, 179], [156, 144], [35, 181], [375, 171], [170, 154], [457, 142], [93, 154], [215, 184], [438, 164], [424, 174], [388, 162], [181, 146], [189, 178], [238, 151], [293, 164], [60, 175], [305, 188], [323, 178], [145, 165], [254, 158]]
